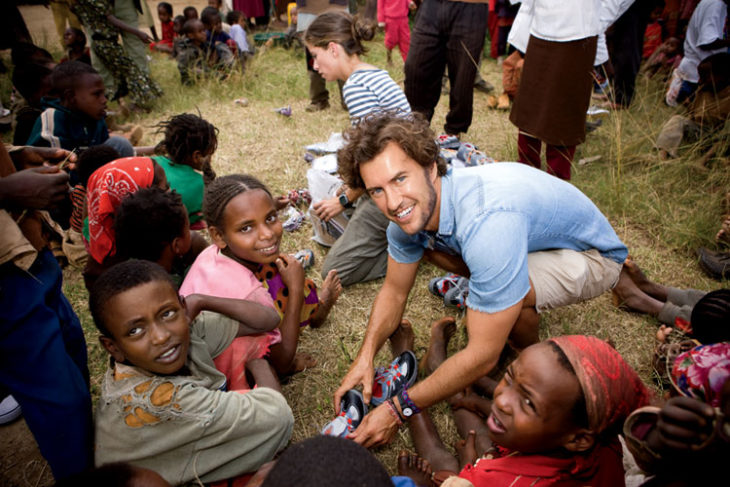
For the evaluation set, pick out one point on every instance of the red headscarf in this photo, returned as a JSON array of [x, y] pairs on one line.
[[106, 189], [611, 388]]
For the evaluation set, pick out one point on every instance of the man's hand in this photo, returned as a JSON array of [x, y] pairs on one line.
[[327, 209], [37, 188], [377, 428], [37, 156], [684, 424], [361, 372]]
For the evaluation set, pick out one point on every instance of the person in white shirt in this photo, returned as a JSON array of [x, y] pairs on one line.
[[705, 36], [556, 82]]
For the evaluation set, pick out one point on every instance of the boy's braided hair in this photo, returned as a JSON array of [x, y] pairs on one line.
[[147, 221], [119, 278], [184, 134], [710, 317], [223, 190]]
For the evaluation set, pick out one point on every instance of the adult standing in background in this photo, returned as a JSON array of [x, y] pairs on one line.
[[446, 33], [307, 11], [556, 82]]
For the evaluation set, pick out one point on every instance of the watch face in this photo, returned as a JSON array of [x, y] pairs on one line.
[[343, 199], [407, 412]]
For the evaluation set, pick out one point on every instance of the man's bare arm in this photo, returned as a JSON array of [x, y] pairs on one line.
[[488, 334], [384, 319]]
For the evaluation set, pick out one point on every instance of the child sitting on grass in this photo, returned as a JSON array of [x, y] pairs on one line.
[[163, 404], [152, 224], [189, 143], [238, 24], [246, 232], [554, 419], [75, 120], [106, 189], [76, 50], [89, 161], [217, 39], [195, 59], [164, 13]]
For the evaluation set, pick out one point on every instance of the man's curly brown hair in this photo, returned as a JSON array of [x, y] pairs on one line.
[[369, 137]]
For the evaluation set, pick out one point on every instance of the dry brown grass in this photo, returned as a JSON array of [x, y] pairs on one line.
[[659, 209]]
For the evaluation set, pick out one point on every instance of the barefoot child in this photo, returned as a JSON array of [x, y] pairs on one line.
[[246, 231], [163, 404], [554, 420], [393, 16]]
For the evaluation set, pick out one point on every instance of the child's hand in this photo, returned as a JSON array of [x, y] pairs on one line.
[[193, 304], [291, 272], [684, 424], [412, 5], [143, 37], [281, 202]]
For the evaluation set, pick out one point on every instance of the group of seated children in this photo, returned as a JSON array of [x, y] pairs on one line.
[[202, 44]]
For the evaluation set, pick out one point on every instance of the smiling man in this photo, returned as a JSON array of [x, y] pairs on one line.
[[527, 240]]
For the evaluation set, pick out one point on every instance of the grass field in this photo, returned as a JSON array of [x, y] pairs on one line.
[[662, 210]]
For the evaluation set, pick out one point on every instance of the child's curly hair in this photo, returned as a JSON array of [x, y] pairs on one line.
[[368, 139], [184, 134]]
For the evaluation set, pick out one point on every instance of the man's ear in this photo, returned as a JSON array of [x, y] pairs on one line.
[[111, 346], [217, 236], [580, 441]]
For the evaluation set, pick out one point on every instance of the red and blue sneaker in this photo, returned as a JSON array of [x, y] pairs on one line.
[[352, 410], [389, 381]]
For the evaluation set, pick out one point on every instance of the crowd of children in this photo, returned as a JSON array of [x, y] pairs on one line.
[[192, 389]]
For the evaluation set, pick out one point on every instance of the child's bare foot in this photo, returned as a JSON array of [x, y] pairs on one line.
[[416, 468], [402, 338], [470, 401], [467, 449], [328, 294], [302, 361], [653, 289], [663, 332], [441, 332]]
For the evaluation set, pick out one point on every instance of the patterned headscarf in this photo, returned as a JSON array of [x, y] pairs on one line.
[[611, 388], [701, 372], [107, 186]]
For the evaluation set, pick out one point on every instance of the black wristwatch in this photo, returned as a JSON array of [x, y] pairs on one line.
[[344, 201], [405, 410]]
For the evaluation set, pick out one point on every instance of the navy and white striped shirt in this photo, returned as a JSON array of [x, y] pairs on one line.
[[372, 90]]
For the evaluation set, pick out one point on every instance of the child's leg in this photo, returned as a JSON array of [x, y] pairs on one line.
[[329, 292], [404, 38]]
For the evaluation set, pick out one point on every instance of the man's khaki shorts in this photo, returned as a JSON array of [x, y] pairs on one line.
[[561, 277]]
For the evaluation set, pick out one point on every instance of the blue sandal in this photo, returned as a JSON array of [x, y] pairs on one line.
[[400, 374]]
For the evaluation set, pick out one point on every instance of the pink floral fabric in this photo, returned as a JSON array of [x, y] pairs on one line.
[[701, 372]]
